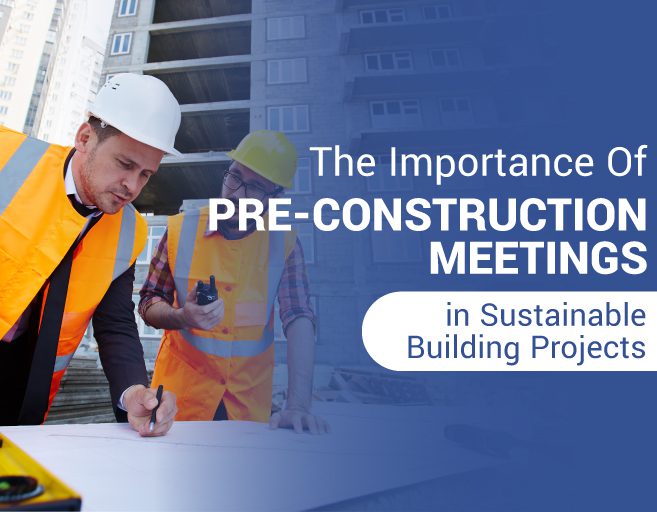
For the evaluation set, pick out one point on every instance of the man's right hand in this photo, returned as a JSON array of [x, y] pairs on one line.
[[201, 317]]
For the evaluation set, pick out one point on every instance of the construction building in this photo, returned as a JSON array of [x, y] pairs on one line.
[[24, 28], [45, 70], [52, 54], [364, 74], [5, 12], [73, 76]]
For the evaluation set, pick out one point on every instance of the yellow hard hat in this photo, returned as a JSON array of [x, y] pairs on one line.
[[268, 153]]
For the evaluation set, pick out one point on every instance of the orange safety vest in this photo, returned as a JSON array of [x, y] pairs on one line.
[[38, 225], [234, 361]]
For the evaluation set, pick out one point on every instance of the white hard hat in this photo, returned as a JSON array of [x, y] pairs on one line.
[[142, 107]]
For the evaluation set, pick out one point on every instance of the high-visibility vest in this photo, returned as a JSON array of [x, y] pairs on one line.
[[38, 225], [234, 361]]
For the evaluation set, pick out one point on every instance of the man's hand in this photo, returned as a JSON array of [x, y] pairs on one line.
[[299, 419], [139, 401], [201, 317]]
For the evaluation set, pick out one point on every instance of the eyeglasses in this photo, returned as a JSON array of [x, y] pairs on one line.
[[234, 182]]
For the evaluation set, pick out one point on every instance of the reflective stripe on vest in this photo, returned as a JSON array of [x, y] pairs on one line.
[[213, 346], [18, 168], [61, 362], [186, 244], [126, 241]]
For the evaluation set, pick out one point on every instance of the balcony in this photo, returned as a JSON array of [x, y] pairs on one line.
[[453, 32], [460, 81], [441, 140], [209, 85], [220, 41], [165, 191], [513, 29], [175, 10], [212, 131]]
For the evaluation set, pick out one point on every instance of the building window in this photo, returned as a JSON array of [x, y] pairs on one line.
[[12, 67], [445, 58], [154, 236], [456, 111], [302, 178], [306, 234], [3, 110], [9, 80], [396, 247], [127, 8], [455, 105], [121, 43], [17, 54], [383, 181], [437, 12], [286, 71], [5, 95], [21, 40], [395, 113], [388, 61], [286, 27], [290, 119], [382, 16]]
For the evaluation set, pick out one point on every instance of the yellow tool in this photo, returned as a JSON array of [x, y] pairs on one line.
[[26, 485]]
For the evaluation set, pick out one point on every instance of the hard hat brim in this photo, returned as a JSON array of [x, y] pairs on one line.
[[169, 150], [172, 152], [231, 155]]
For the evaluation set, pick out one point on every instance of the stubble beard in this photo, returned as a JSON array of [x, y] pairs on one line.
[[108, 206]]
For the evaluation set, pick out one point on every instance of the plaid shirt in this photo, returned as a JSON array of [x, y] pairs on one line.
[[293, 298]]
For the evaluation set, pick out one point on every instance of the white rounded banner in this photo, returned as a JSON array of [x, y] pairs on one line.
[[517, 331]]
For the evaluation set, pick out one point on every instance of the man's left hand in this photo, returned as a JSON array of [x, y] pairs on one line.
[[140, 401], [299, 419]]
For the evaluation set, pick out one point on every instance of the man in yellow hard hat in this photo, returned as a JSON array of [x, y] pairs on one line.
[[69, 238], [218, 358]]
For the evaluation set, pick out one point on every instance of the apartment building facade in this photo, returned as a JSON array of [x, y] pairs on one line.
[[24, 34]]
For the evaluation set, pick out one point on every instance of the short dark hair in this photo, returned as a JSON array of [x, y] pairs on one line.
[[102, 130]]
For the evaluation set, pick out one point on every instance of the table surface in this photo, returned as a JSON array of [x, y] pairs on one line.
[[246, 466]]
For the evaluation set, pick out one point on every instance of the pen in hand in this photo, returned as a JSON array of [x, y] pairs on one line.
[[158, 395]]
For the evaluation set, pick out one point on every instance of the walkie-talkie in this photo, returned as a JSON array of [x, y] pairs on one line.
[[206, 293]]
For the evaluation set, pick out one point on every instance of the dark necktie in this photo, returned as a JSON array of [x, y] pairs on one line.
[[44, 351], [80, 208]]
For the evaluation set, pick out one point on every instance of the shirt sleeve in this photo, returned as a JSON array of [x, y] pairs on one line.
[[119, 346], [293, 294], [159, 285]]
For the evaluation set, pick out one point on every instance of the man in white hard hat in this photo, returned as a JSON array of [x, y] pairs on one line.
[[69, 238], [218, 357]]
